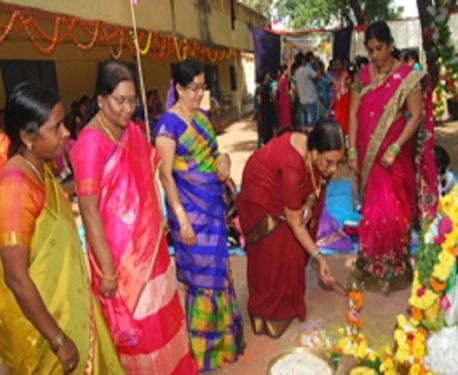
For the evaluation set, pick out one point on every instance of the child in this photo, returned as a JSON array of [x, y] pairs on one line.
[[446, 179]]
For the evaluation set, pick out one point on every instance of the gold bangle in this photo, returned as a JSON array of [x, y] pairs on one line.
[[58, 342]]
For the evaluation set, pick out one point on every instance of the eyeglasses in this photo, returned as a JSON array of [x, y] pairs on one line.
[[196, 88], [122, 100]]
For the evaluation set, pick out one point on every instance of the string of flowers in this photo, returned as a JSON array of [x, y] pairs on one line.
[[157, 46]]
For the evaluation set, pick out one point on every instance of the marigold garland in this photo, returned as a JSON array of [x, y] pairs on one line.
[[157, 46]]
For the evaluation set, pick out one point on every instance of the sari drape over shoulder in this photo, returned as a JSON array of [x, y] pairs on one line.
[[145, 317], [392, 197], [213, 316], [276, 177], [42, 220]]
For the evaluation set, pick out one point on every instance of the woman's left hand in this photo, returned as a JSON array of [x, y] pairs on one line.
[[224, 167], [324, 271], [387, 159]]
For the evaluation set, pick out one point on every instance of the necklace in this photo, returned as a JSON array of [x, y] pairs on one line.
[[385, 73], [189, 115], [316, 187], [105, 128], [34, 169]]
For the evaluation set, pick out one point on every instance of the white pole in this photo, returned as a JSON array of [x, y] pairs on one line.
[[140, 70]]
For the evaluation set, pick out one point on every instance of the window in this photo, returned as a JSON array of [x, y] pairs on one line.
[[16, 71]]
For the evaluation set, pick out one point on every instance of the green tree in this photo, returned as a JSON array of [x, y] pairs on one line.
[[317, 13]]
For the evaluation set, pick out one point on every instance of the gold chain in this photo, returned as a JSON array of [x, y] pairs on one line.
[[316, 188], [105, 128], [34, 169]]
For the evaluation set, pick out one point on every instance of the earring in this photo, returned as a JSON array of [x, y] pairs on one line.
[[99, 104], [29, 146]]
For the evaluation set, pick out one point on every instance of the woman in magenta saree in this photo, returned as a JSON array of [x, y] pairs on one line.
[[391, 127], [284, 107], [132, 274]]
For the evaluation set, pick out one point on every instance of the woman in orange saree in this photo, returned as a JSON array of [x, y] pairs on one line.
[[132, 274], [50, 322]]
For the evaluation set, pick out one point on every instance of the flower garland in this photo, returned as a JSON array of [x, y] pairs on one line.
[[157, 46]]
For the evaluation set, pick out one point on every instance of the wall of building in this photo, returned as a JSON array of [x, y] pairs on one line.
[[205, 20]]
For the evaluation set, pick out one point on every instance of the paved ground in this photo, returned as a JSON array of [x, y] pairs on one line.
[[328, 307]]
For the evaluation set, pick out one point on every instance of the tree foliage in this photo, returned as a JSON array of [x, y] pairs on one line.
[[318, 13]]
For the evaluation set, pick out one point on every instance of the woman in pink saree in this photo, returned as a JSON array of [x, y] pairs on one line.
[[284, 107], [132, 274], [391, 148]]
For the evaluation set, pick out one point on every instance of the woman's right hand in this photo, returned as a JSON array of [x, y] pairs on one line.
[[68, 355], [187, 235], [353, 165], [108, 287], [324, 271]]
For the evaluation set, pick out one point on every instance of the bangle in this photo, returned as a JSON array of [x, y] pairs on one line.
[[394, 149], [316, 255], [58, 343], [352, 153], [179, 210]]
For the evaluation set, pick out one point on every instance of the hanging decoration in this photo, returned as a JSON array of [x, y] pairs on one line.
[[86, 35]]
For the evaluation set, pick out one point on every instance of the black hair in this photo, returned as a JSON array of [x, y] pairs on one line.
[[411, 54], [27, 108], [326, 137], [109, 75], [309, 57], [442, 159], [378, 30], [184, 72]]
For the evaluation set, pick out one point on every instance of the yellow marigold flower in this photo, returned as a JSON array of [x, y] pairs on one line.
[[425, 301], [402, 354], [415, 369], [402, 320], [399, 336], [418, 350], [341, 330], [361, 350]]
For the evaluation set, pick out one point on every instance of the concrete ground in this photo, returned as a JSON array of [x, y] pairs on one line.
[[328, 307]]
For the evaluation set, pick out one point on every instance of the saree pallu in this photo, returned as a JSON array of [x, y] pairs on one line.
[[145, 317], [390, 195], [213, 316], [58, 270], [4, 145]]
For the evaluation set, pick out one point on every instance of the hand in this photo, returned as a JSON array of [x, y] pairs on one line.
[[108, 287], [353, 165], [68, 355], [187, 235], [387, 159], [224, 167], [324, 272]]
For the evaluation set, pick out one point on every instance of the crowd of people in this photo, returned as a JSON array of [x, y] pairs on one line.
[[120, 311]]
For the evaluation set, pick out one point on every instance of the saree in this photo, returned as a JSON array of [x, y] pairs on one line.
[[276, 177], [145, 317], [284, 108], [392, 197], [213, 316], [58, 270], [4, 145], [342, 91]]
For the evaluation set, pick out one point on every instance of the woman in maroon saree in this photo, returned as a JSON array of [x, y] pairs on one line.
[[279, 205], [391, 148]]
